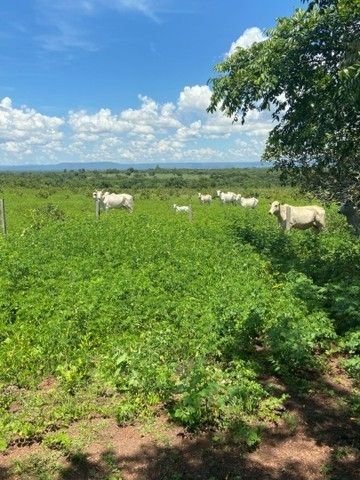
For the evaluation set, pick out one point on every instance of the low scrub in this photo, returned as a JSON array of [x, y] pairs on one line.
[[163, 311]]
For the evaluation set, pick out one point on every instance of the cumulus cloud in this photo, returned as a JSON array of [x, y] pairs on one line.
[[246, 39], [151, 117], [151, 132], [24, 130], [195, 98], [248, 148], [191, 131], [220, 126], [98, 123], [165, 132], [151, 114]]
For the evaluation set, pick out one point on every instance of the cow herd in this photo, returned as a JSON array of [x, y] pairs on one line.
[[237, 198], [288, 216]]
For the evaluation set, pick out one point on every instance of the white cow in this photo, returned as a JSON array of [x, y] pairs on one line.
[[228, 197], [183, 208], [114, 200], [206, 198], [248, 202], [298, 217]]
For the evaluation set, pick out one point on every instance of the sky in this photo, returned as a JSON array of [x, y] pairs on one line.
[[125, 81]]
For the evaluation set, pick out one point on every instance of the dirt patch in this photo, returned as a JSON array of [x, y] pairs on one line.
[[318, 439], [49, 383]]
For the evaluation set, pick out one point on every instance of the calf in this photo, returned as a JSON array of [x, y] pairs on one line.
[[182, 209], [206, 198]]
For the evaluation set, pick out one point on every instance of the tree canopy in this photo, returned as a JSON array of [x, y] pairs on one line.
[[307, 74]]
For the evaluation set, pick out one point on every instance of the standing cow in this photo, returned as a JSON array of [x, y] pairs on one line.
[[205, 198], [114, 200], [226, 197], [247, 202], [301, 218]]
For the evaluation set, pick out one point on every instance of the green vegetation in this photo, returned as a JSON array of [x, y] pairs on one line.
[[38, 467], [134, 312], [140, 180]]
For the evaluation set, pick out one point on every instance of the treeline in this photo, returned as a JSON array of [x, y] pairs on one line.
[[113, 179]]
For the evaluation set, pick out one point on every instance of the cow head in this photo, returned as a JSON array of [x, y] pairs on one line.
[[97, 195], [274, 208]]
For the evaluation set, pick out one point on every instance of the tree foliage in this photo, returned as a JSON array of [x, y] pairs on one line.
[[307, 74]]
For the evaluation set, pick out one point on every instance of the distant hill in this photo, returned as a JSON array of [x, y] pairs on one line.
[[124, 166]]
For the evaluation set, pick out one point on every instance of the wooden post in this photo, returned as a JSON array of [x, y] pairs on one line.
[[2, 217], [97, 208]]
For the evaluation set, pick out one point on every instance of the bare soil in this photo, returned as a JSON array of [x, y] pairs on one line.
[[318, 439]]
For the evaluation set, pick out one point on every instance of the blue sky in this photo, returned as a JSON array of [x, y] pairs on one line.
[[124, 80]]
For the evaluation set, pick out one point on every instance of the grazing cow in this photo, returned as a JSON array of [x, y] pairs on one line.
[[114, 200], [206, 198], [248, 202], [182, 209], [228, 197], [352, 215], [298, 217]]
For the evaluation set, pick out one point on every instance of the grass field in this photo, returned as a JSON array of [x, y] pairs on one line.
[[133, 312]]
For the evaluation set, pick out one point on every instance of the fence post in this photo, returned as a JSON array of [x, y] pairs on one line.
[[2, 216]]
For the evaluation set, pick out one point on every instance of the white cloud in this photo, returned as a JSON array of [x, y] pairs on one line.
[[144, 121], [195, 98], [86, 137], [101, 122], [151, 114], [248, 148], [246, 39], [191, 131], [24, 130], [6, 103], [152, 132]]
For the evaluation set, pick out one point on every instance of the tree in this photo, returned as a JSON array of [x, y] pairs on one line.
[[307, 74]]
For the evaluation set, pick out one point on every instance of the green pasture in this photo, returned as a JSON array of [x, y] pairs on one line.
[[25, 205], [132, 311]]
